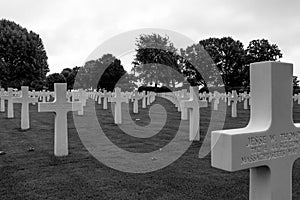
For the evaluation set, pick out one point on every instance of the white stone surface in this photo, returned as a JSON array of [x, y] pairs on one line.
[[118, 99], [135, 97], [25, 100], [269, 144], [193, 105], [2, 100], [10, 105], [61, 107]]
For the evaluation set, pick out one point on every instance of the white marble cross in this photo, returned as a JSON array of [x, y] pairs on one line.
[[135, 97], [105, 96], [143, 95], [148, 98], [118, 99], [193, 105], [10, 105], [43, 96], [99, 100], [269, 144], [216, 98], [61, 107], [25, 100], [183, 97], [246, 99], [2, 100], [234, 98], [82, 96]]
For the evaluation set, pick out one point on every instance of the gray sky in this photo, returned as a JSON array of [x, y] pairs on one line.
[[72, 29]]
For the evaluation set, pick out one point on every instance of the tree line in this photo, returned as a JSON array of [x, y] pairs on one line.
[[211, 62]]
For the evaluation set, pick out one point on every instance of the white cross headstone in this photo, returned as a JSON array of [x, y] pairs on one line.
[[10, 105], [234, 98], [25, 100], [2, 100], [118, 99], [269, 145], [246, 99], [183, 97], [143, 99], [82, 96], [228, 98], [43, 96], [135, 98], [105, 99], [99, 97], [61, 107], [216, 98], [193, 105]]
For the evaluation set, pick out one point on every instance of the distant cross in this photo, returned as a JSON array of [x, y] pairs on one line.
[[234, 98], [99, 94], [118, 99], [135, 97], [82, 96], [10, 105], [246, 98], [269, 145], [105, 96], [33, 94], [216, 98], [143, 95], [148, 98], [44, 95], [193, 105], [61, 107], [25, 100], [183, 96], [2, 100]]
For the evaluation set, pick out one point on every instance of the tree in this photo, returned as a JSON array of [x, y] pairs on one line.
[[111, 75], [23, 59], [295, 82], [103, 73], [54, 78], [228, 55], [156, 61], [197, 66], [257, 51], [70, 75], [127, 82], [262, 50]]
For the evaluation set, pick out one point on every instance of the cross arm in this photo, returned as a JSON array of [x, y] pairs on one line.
[[238, 149]]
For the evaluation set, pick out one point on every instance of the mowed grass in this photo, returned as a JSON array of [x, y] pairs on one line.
[[39, 175]]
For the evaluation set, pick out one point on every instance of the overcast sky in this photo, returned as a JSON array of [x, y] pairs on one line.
[[72, 29]]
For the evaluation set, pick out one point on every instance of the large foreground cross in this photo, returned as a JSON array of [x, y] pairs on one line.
[[269, 145], [61, 107]]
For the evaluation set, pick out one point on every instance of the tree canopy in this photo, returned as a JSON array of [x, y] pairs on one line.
[[211, 62], [102, 73], [156, 61], [23, 59], [54, 78]]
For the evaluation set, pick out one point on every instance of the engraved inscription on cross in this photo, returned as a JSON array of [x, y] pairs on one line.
[[269, 145], [61, 107]]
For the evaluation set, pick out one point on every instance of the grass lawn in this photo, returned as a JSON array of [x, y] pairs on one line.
[[39, 175]]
